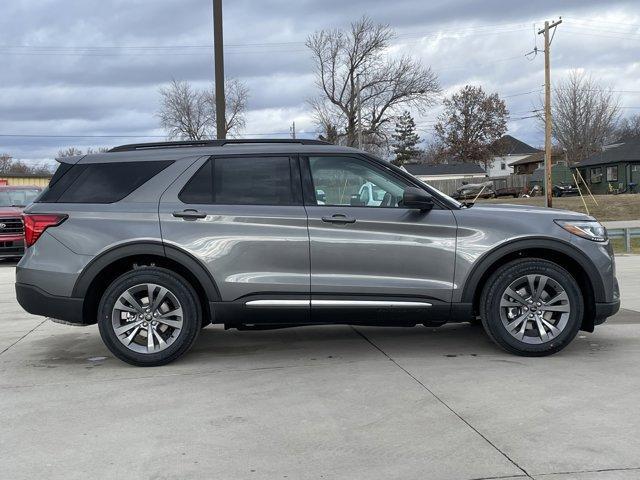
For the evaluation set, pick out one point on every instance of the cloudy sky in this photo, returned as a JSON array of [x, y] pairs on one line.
[[87, 72]]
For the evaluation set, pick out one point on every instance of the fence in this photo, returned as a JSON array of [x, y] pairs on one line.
[[512, 181], [627, 234]]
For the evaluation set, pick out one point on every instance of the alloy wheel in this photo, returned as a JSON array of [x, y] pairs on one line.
[[535, 309], [147, 318]]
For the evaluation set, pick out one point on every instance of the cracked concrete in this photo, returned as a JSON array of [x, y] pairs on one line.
[[321, 402]]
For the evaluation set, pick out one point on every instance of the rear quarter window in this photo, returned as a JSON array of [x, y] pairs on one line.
[[99, 182]]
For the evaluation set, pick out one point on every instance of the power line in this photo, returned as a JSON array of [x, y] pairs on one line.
[[603, 30], [232, 48], [598, 22], [571, 31], [538, 90]]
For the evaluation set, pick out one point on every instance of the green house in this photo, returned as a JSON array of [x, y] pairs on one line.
[[560, 173], [615, 169]]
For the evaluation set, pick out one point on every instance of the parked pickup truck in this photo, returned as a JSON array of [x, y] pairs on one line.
[[12, 202]]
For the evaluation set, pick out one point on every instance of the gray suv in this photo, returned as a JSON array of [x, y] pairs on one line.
[[155, 241]]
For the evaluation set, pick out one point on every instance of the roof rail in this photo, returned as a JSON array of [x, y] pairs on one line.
[[212, 143]]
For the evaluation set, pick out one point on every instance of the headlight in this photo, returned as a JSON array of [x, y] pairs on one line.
[[586, 229]]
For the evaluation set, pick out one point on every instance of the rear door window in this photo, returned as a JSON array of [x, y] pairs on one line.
[[242, 181]]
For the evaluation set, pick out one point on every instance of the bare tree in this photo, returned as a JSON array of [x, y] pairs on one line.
[[189, 114], [433, 153], [470, 124], [43, 169], [345, 58], [19, 167], [628, 127], [584, 115], [5, 162], [9, 165], [69, 152], [236, 96]]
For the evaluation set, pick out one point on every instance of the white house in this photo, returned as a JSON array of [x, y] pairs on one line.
[[511, 150]]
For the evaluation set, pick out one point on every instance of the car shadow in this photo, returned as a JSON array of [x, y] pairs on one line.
[[230, 349]]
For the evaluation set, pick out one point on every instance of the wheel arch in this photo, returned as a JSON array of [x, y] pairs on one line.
[[112, 263], [557, 251]]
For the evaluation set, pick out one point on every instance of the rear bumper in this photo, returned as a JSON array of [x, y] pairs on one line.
[[38, 302], [605, 310]]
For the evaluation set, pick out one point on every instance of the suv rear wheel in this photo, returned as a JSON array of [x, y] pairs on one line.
[[531, 307], [149, 316]]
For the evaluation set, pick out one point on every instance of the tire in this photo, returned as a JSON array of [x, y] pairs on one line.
[[500, 312], [178, 305]]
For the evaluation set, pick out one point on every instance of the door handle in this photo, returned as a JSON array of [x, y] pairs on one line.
[[189, 214], [339, 218]]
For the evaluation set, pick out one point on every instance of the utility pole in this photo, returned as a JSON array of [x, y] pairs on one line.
[[548, 186], [292, 129], [221, 124], [359, 112]]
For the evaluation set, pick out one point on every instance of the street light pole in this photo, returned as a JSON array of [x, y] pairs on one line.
[[221, 124]]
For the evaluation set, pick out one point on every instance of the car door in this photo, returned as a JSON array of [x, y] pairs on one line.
[[378, 255], [243, 218]]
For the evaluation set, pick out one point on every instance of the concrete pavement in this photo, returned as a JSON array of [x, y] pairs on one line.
[[628, 273], [321, 402]]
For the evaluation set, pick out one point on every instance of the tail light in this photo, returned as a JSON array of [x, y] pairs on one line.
[[36, 223]]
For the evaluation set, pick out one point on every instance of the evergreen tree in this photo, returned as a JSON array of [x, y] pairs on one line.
[[405, 139]]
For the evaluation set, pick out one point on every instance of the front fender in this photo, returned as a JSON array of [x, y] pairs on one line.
[[495, 257]]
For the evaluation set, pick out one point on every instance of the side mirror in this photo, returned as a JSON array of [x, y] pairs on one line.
[[416, 198]]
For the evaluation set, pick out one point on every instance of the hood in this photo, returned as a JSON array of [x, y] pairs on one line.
[[509, 209], [10, 211]]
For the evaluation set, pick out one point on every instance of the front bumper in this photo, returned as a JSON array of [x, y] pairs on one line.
[[605, 310], [11, 246], [38, 302]]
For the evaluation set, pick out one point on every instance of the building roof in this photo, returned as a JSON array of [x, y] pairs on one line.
[[537, 158], [427, 169], [628, 151], [508, 145], [25, 175]]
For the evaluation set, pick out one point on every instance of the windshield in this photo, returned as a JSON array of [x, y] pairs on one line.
[[452, 200], [18, 197]]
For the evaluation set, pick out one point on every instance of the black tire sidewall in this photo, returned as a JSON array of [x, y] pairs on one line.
[[192, 315], [497, 284]]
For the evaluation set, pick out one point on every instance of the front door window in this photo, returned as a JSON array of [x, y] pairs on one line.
[[346, 181]]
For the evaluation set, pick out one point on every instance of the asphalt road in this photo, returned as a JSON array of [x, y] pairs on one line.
[[321, 403]]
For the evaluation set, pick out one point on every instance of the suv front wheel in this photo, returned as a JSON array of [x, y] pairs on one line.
[[531, 307], [149, 316]]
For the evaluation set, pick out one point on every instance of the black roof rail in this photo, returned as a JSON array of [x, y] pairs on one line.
[[212, 143]]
